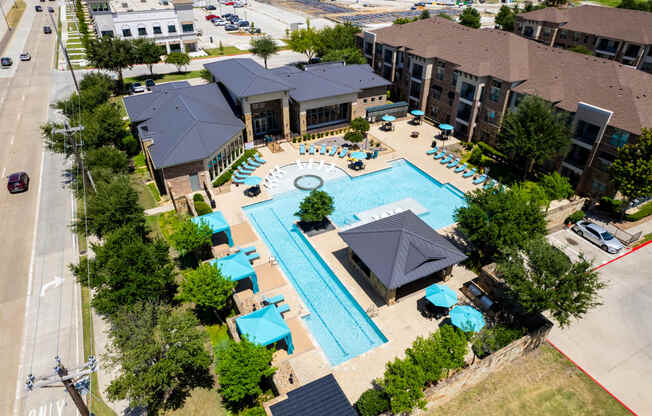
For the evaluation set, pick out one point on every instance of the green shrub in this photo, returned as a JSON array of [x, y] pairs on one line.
[[488, 150], [610, 205], [404, 383], [644, 211], [130, 145], [198, 197], [372, 403], [476, 157], [556, 186], [254, 411], [202, 208], [575, 217], [490, 340], [226, 176], [294, 140]]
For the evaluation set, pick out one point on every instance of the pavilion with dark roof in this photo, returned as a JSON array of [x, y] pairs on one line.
[[396, 253], [322, 397]]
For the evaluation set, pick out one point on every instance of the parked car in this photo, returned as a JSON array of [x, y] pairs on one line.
[[238, 4], [211, 7], [212, 16], [47, 30], [229, 3], [25, 56], [50, 9], [18, 182], [234, 18], [6, 62], [227, 15], [598, 235], [149, 83], [243, 23], [253, 30], [137, 87], [38, 8], [218, 22], [231, 28]]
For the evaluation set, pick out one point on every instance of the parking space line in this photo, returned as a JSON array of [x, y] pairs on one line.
[[12, 139], [3, 171]]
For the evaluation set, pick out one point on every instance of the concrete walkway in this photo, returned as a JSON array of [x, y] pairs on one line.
[[158, 210]]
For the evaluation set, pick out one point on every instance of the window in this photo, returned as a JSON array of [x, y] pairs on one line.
[[387, 72], [389, 55], [126, 33], [598, 187], [632, 51], [528, 32], [490, 116], [172, 29], [417, 72], [587, 132], [440, 71], [563, 34], [142, 31], [608, 45], [464, 112], [495, 91], [619, 138], [368, 48], [578, 156], [380, 98], [327, 115], [436, 92], [415, 89], [108, 33], [451, 97], [455, 75], [373, 99], [467, 91], [547, 31], [576, 36], [187, 27], [157, 30], [586, 38], [364, 100]]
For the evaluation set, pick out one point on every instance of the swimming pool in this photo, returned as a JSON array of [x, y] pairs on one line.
[[336, 320]]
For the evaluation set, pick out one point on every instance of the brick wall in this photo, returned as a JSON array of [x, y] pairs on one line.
[[560, 210]]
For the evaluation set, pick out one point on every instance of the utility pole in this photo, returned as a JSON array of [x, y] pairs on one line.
[[67, 378]]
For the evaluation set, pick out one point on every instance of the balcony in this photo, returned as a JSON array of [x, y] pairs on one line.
[[467, 92]]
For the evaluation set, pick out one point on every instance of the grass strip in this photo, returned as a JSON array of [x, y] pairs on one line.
[[15, 13], [175, 76]]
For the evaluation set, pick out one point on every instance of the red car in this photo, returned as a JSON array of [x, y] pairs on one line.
[[229, 3], [18, 182], [212, 16]]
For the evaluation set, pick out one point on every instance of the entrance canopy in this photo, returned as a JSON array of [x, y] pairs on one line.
[[237, 267], [216, 221], [264, 327]]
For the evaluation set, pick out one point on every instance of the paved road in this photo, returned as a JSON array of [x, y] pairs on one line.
[[39, 315], [613, 343]]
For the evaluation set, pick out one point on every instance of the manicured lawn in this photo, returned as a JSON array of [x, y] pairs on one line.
[[154, 191], [228, 50], [145, 196], [646, 238], [139, 159], [608, 3], [163, 224], [176, 76], [201, 402], [15, 13], [98, 407], [543, 383], [644, 211]]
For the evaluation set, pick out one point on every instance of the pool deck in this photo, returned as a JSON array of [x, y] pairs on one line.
[[401, 322]]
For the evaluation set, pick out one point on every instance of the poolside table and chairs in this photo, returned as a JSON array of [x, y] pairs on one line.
[[417, 116], [467, 318]]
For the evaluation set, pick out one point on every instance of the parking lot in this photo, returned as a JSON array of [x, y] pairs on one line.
[[572, 244]]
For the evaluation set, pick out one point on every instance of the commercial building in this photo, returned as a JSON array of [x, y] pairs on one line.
[[618, 34], [470, 78], [168, 23]]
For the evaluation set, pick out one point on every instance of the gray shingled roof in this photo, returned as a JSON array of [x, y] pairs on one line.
[[185, 124], [244, 77], [401, 249], [307, 85], [322, 397], [359, 76], [170, 85]]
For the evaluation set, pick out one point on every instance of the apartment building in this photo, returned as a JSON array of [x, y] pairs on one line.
[[470, 78], [618, 34], [168, 23]]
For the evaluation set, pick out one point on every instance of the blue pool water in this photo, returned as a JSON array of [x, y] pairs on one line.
[[336, 320]]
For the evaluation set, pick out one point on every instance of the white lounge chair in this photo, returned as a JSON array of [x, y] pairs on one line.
[[310, 163], [299, 164], [279, 171], [321, 164]]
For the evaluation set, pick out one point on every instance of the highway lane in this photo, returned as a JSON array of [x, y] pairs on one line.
[[32, 258]]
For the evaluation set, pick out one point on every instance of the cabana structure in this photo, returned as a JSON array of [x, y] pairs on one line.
[[265, 327], [237, 267], [398, 253], [218, 224]]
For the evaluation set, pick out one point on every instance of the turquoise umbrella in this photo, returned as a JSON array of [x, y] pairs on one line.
[[445, 127], [253, 180], [417, 112], [440, 295], [359, 155], [388, 118], [467, 318]]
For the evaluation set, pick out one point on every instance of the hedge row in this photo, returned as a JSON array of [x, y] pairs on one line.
[[226, 176], [643, 212]]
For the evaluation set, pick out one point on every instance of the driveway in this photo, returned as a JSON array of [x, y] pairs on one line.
[[572, 244], [613, 343]]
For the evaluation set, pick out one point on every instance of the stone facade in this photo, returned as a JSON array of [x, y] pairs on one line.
[[178, 177], [560, 210]]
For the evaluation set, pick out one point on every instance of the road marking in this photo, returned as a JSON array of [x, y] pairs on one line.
[[19, 384], [3, 171], [18, 116], [53, 283], [23, 98], [12, 139]]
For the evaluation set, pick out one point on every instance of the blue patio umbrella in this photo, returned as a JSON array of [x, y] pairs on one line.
[[467, 318], [359, 155], [387, 117], [417, 112], [253, 180], [446, 127], [237, 267], [440, 295], [264, 327]]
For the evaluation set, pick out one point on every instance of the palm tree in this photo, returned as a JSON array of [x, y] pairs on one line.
[[263, 47]]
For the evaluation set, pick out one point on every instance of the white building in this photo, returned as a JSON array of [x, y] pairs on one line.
[[170, 24]]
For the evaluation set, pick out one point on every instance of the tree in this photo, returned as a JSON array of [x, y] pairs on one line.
[[424, 15], [404, 382], [453, 346], [103, 163], [104, 126], [372, 403], [556, 186], [178, 59], [631, 172], [505, 18], [492, 220], [534, 133], [241, 366], [189, 237], [360, 125], [542, 278], [336, 38], [115, 204], [315, 207], [470, 17], [126, 269], [349, 56], [304, 41], [206, 75], [404, 20], [426, 354], [148, 53], [55, 141], [98, 80], [353, 137], [111, 54], [636, 5], [263, 47], [581, 49], [207, 287], [446, 16], [75, 106], [161, 357]]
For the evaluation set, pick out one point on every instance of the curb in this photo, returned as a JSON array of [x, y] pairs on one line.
[[638, 247]]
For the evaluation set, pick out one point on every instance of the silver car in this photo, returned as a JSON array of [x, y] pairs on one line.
[[598, 235]]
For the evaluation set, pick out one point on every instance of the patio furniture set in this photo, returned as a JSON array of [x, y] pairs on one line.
[[451, 161]]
